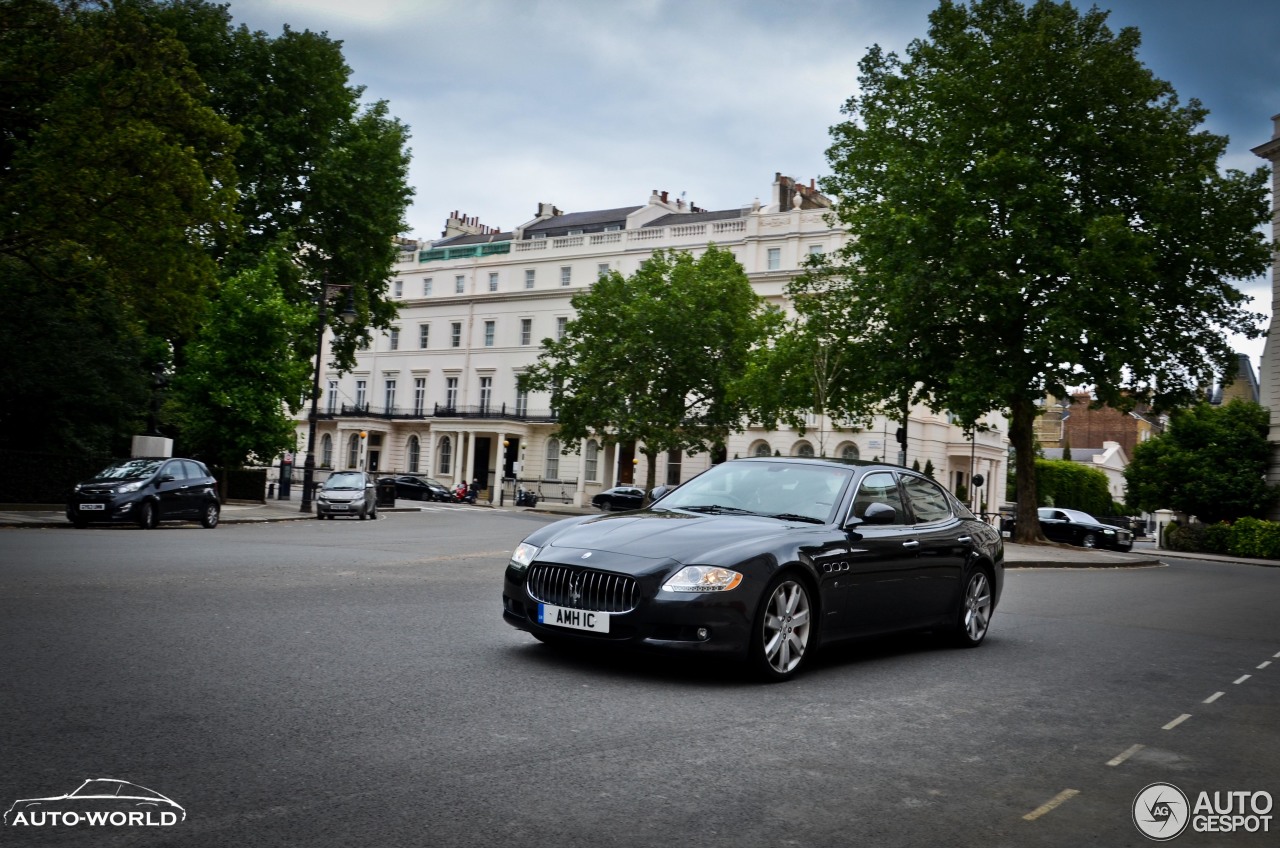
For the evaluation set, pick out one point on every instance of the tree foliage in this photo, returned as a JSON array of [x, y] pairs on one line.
[[150, 149], [227, 397], [656, 357], [1072, 485], [1031, 209], [1211, 462]]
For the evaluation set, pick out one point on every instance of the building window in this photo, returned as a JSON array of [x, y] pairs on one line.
[[562, 324], [816, 250], [362, 393], [673, 467], [451, 392], [353, 450], [528, 278], [522, 401], [591, 461], [566, 275], [602, 269], [331, 399], [526, 331], [804, 449], [762, 449], [486, 393], [419, 395], [414, 451], [426, 287], [446, 456], [326, 451], [393, 338], [552, 469], [489, 327], [399, 288], [459, 284], [424, 335], [493, 281], [849, 452], [775, 258], [389, 395], [455, 334]]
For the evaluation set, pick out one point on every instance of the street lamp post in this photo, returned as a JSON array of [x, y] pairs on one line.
[[309, 466]]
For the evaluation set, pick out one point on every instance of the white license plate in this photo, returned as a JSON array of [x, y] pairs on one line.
[[84, 507], [337, 506], [596, 622]]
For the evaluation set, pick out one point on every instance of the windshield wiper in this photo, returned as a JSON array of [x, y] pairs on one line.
[[717, 509], [791, 516]]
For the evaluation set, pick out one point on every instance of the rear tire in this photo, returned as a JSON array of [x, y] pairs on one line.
[[209, 517], [782, 637], [974, 616]]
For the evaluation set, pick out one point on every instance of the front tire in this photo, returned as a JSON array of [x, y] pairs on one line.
[[1089, 540], [147, 516], [209, 517], [975, 610], [783, 634]]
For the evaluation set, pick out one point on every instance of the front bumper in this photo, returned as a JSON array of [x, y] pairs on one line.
[[103, 509], [682, 622], [329, 507]]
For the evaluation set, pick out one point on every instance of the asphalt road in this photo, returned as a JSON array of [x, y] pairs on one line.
[[346, 683]]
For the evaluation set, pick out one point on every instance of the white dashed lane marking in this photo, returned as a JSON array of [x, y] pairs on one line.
[[1120, 758], [1242, 679], [1052, 803], [1177, 721], [1215, 696]]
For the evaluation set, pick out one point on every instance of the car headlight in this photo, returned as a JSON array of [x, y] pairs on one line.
[[129, 487], [702, 578], [1108, 532], [523, 555]]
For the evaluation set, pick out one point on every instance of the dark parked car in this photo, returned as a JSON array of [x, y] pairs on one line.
[[415, 488], [619, 497], [763, 560], [1080, 528], [348, 493], [146, 491]]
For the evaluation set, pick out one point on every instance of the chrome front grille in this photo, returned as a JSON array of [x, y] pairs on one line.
[[576, 588]]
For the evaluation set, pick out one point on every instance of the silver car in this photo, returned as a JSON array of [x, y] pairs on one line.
[[348, 493]]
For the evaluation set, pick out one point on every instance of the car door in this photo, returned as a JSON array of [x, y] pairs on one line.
[[170, 490], [882, 558], [1055, 525], [944, 547]]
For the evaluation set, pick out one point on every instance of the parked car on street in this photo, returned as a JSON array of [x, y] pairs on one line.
[[1080, 528], [414, 488], [619, 497], [763, 560], [348, 493], [146, 491]]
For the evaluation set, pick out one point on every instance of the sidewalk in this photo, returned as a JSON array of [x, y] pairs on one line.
[[1144, 554]]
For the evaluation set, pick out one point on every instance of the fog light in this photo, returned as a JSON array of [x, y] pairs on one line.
[[703, 634]]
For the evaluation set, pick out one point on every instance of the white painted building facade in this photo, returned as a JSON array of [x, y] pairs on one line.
[[438, 394]]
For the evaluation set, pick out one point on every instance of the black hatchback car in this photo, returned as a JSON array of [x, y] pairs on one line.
[[414, 488], [763, 560], [146, 491]]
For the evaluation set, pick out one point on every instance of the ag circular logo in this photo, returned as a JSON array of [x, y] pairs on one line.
[[1161, 811]]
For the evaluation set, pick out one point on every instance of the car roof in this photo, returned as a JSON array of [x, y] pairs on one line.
[[828, 461]]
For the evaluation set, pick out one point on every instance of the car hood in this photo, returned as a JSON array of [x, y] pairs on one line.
[[114, 481], [661, 535]]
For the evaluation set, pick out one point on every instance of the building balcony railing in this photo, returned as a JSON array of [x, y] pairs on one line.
[[502, 411]]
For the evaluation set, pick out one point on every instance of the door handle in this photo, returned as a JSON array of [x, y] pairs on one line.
[[912, 544]]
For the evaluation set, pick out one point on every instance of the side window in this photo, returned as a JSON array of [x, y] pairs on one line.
[[173, 469], [928, 501], [879, 487]]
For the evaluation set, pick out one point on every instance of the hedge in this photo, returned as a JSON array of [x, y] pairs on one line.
[[1072, 485], [1247, 537]]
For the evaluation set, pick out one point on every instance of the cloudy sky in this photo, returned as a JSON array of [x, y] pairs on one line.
[[592, 104]]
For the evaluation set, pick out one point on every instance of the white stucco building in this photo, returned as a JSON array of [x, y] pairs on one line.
[[1269, 379], [438, 394]]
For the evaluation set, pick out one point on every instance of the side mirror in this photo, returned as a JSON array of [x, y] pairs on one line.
[[167, 478], [880, 513]]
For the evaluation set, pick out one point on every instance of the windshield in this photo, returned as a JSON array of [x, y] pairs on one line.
[[345, 480], [787, 490], [129, 468]]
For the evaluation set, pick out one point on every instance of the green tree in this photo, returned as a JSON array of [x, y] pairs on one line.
[[322, 180], [1211, 462], [227, 398], [1031, 209], [656, 357]]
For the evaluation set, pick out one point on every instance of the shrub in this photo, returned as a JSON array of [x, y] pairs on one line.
[[1072, 485], [1253, 537]]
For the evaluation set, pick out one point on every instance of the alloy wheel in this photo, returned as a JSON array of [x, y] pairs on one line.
[[786, 627]]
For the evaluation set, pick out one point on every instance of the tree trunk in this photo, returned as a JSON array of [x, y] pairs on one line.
[[651, 473], [1022, 435]]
